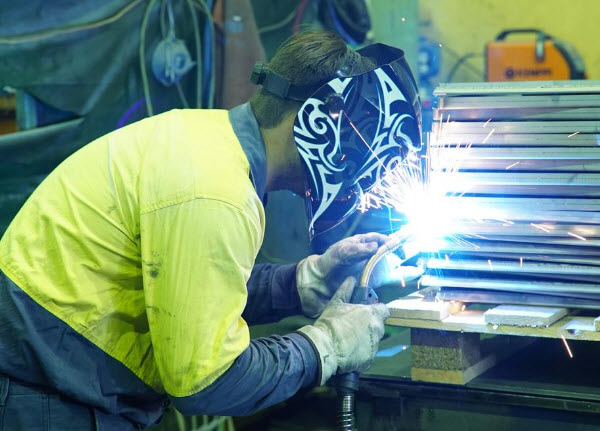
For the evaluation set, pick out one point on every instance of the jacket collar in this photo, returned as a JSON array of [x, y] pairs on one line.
[[246, 129]]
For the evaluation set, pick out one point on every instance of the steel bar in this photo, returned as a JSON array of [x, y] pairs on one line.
[[557, 258], [546, 240], [516, 249], [478, 114], [519, 164], [499, 297], [526, 215], [565, 127], [546, 190], [517, 203], [482, 138], [525, 179], [524, 87], [518, 102], [582, 290], [567, 153], [513, 267], [487, 230]]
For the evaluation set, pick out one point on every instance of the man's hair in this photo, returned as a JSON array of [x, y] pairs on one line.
[[306, 58]]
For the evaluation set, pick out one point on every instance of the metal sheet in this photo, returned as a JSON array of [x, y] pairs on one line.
[[571, 159], [516, 139], [523, 87], [528, 190], [583, 290], [513, 267], [541, 127], [499, 297], [489, 230], [530, 257], [542, 204], [518, 102], [523, 178], [547, 240], [530, 215], [496, 114], [569, 153], [517, 250]]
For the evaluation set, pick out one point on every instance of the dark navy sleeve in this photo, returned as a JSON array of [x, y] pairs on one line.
[[270, 370], [272, 294]]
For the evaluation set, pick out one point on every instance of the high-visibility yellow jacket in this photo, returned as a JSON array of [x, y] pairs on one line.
[[142, 243]]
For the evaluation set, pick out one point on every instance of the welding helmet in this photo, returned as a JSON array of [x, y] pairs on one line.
[[351, 130]]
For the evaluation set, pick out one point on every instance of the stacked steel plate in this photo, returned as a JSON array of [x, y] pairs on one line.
[[525, 162]]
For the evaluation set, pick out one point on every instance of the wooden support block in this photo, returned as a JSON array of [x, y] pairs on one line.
[[524, 315], [453, 357], [443, 350], [416, 307], [454, 377]]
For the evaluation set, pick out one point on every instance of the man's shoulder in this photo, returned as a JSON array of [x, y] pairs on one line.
[[197, 155]]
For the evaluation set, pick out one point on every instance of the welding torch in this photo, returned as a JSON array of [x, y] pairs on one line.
[[347, 384]]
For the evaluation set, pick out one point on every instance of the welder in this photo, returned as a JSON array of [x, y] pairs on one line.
[[128, 279]]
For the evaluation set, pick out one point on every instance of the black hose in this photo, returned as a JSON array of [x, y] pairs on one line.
[[346, 386]]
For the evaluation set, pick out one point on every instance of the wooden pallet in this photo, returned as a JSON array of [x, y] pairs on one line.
[[445, 336]]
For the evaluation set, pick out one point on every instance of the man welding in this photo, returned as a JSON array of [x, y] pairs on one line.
[[128, 279]]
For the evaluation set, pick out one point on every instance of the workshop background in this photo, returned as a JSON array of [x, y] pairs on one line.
[[71, 71]]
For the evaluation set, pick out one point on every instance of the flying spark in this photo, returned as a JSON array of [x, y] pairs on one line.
[[567, 346], [489, 135], [540, 227], [573, 134], [577, 236], [512, 166], [490, 264]]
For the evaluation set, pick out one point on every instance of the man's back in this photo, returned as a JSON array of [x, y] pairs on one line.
[[102, 251]]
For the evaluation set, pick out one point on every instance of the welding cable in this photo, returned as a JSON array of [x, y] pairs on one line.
[[142, 55], [279, 24], [198, 56], [459, 62], [299, 14], [209, 41], [338, 25], [163, 31], [201, 4], [47, 34]]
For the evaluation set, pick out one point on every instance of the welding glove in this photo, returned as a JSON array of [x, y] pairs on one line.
[[346, 336], [319, 276]]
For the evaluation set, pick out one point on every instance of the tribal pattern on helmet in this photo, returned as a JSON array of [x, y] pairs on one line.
[[349, 133]]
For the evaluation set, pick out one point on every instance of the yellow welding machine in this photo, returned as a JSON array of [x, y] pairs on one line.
[[542, 59]]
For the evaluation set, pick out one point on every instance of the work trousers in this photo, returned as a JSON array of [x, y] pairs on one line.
[[28, 408]]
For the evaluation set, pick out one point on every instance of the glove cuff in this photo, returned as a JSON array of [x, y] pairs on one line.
[[323, 344], [309, 277], [307, 271]]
